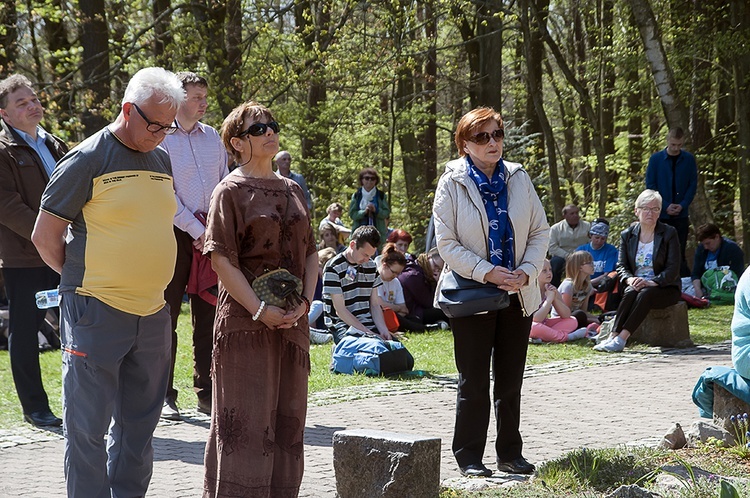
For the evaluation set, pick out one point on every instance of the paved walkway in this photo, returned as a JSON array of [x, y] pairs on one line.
[[617, 399]]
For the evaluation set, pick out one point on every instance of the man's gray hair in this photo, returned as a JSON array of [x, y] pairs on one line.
[[155, 82]]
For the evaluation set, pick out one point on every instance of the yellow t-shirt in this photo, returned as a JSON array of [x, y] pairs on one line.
[[121, 204]]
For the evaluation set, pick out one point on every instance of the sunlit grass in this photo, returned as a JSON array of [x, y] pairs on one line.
[[433, 353]]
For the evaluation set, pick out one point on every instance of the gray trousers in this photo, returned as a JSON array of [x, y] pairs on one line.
[[115, 371]]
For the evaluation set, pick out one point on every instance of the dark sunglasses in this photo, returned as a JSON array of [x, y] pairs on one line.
[[371, 178], [484, 137], [154, 127], [258, 129]]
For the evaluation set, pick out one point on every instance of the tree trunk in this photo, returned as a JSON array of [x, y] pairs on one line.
[[579, 49], [700, 126], [674, 109], [724, 178], [532, 42], [483, 47], [95, 64], [162, 32], [55, 33], [740, 22], [634, 106], [8, 37], [588, 108]]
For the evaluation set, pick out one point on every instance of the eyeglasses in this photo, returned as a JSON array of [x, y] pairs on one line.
[[369, 178], [484, 137], [154, 127], [258, 129], [650, 210]]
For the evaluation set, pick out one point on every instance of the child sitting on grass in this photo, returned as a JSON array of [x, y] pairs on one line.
[[576, 288], [560, 328]]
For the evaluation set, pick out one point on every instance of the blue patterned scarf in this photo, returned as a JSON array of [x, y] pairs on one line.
[[495, 197]]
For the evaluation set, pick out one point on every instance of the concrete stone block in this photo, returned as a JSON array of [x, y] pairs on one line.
[[370, 463], [726, 405], [667, 327]]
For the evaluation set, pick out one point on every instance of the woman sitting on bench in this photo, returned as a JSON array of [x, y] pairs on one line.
[[649, 268]]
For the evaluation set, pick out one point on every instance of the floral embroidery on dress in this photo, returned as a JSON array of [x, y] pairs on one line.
[[288, 436], [232, 431]]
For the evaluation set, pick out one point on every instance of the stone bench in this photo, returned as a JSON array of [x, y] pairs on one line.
[[370, 463], [727, 404], [667, 327]]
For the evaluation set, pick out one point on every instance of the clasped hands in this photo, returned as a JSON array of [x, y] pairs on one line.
[[510, 281], [279, 318], [639, 283]]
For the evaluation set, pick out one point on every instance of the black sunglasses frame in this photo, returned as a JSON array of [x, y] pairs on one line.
[[150, 124], [258, 129], [483, 138]]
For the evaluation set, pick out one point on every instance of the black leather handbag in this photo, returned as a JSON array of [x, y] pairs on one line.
[[460, 297]]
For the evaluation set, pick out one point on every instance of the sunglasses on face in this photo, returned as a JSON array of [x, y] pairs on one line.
[[258, 129], [369, 178], [484, 137], [154, 127]]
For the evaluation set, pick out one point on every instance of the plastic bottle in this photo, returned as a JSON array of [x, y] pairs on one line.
[[47, 299]]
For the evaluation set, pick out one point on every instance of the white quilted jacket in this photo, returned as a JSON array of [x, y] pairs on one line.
[[461, 227]]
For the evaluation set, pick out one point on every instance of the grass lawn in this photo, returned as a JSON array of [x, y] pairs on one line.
[[433, 353]]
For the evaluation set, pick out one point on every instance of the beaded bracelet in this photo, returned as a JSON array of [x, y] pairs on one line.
[[260, 311], [307, 304]]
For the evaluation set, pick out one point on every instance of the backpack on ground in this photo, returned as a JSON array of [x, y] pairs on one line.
[[720, 284], [371, 356]]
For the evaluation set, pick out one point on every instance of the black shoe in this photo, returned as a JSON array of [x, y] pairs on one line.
[[204, 406], [517, 466], [44, 418], [475, 470]]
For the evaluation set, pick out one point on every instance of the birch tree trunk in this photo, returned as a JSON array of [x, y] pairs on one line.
[[674, 109]]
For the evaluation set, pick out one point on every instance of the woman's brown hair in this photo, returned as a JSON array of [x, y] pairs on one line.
[[234, 123], [392, 255], [471, 121]]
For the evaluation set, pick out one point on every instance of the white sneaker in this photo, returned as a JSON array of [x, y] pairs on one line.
[[319, 337], [169, 410], [615, 345], [577, 334], [601, 345]]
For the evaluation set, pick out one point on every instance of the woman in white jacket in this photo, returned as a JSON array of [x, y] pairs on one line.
[[490, 227]]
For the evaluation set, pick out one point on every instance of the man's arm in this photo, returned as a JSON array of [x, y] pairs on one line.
[[49, 238], [698, 288], [376, 311], [347, 316], [14, 212]]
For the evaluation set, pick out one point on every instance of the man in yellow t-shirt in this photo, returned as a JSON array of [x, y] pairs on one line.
[[105, 225]]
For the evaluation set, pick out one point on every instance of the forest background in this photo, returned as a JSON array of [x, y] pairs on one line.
[[587, 88]]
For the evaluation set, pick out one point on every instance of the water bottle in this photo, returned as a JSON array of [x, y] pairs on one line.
[[47, 299]]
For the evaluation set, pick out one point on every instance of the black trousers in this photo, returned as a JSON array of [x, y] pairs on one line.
[[501, 339], [202, 314], [635, 305], [682, 225], [558, 270], [21, 284]]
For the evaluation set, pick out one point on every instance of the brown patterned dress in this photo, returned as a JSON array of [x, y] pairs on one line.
[[259, 375]]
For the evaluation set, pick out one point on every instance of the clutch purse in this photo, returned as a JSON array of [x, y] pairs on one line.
[[278, 288], [460, 297]]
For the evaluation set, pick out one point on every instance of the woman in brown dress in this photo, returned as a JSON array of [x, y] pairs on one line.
[[257, 222]]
